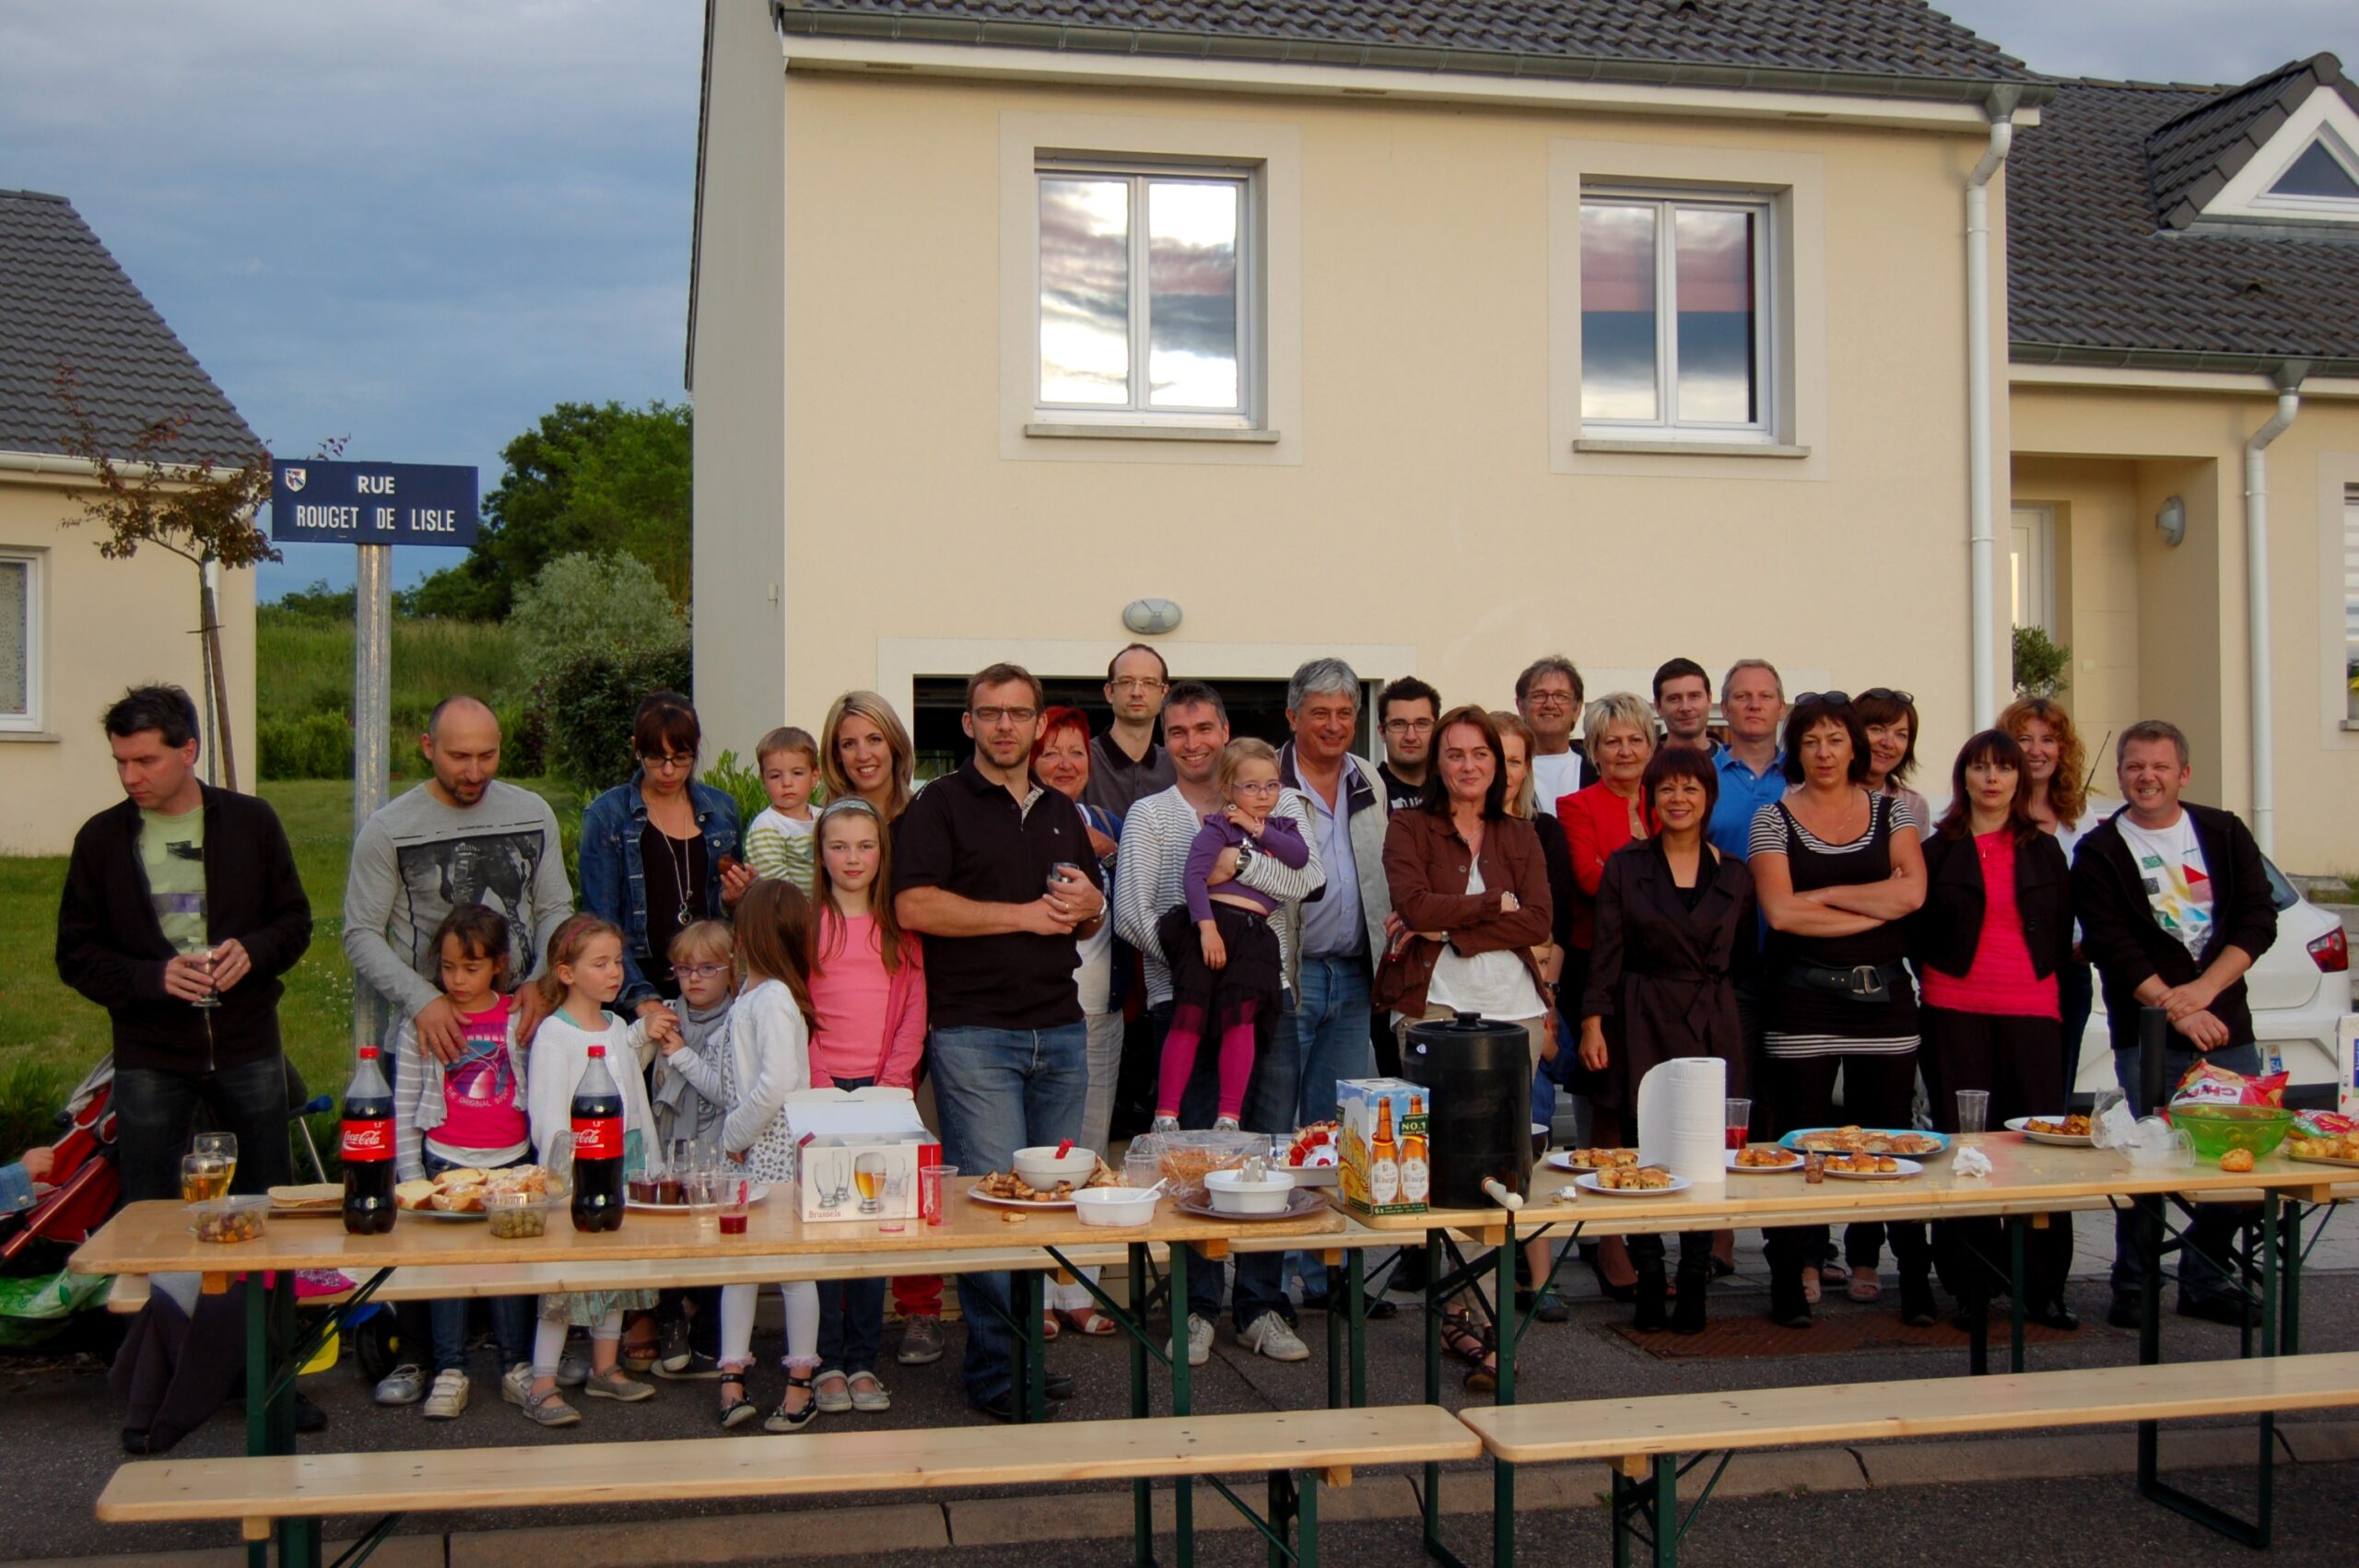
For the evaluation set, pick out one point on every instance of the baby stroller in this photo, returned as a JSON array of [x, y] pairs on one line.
[[39, 1299]]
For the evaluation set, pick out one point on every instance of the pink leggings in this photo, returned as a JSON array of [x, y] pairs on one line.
[[1179, 1057]]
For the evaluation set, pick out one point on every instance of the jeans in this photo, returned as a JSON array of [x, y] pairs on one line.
[[1332, 1025], [1261, 1280], [153, 1111], [851, 1321], [2200, 1278], [997, 1091], [511, 1317]]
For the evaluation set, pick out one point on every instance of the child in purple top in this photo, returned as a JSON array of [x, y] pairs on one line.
[[1225, 971]]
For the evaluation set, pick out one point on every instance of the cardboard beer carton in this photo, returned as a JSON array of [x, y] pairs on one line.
[[859, 1153], [1386, 1163]]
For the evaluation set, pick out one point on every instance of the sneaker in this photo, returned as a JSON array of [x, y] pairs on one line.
[[1200, 1341], [675, 1354], [694, 1366], [613, 1384], [406, 1385], [516, 1384], [549, 1409], [1226, 1124], [1164, 1124], [572, 1370], [831, 1391], [448, 1398], [1272, 1336], [921, 1342]]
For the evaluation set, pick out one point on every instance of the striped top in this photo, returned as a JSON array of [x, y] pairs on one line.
[[1802, 1020]]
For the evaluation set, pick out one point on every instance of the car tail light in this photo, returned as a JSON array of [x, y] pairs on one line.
[[2331, 951]]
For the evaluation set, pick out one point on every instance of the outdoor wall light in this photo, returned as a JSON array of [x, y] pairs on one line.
[[2171, 522], [1148, 617]]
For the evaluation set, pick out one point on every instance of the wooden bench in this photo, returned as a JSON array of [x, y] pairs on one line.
[[1306, 1448], [1642, 1438]]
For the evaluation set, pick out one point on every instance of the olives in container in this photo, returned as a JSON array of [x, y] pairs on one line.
[[230, 1218], [515, 1216]]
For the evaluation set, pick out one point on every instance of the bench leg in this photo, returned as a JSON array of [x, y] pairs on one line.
[[1183, 1502], [1432, 1389], [270, 1416], [1141, 1407], [1503, 1473], [1356, 1274], [1305, 1545], [2018, 1227]]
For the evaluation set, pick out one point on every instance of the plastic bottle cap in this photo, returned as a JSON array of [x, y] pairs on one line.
[[599, 1049], [368, 1053]]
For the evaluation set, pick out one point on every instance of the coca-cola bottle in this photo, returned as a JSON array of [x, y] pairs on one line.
[[597, 1147], [368, 1207]]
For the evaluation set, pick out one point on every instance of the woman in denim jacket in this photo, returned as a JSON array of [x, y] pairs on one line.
[[661, 852]]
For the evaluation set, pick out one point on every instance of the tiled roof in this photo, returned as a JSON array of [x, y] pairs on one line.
[[64, 301], [2192, 156], [2090, 268], [1891, 38]]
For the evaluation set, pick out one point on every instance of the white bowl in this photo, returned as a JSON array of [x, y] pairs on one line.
[[1232, 1194], [1041, 1167], [1113, 1206]]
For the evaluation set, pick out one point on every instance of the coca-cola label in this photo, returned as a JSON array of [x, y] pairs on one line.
[[369, 1139], [597, 1138]]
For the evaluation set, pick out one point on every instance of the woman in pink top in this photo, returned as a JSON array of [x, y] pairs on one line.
[[1995, 928], [868, 995]]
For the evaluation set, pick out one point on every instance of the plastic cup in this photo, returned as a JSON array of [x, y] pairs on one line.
[[932, 1181], [732, 1208], [1739, 1122], [1973, 1109], [703, 1191]]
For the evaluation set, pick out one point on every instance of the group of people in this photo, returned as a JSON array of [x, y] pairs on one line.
[[1277, 918]]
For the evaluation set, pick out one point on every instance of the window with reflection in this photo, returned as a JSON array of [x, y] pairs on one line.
[[1143, 280], [20, 642], [1674, 330]]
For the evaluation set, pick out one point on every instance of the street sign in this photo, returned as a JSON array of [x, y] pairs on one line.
[[321, 501]]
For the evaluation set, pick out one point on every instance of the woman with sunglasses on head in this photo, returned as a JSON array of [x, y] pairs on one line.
[[1889, 717], [1837, 869], [1994, 932]]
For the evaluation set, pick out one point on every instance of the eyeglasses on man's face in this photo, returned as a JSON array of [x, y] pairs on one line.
[[1136, 683], [991, 718], [1550, 699], [1408, 726]]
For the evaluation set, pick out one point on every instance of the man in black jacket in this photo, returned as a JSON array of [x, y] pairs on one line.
[[2174, 904], [181, 910]]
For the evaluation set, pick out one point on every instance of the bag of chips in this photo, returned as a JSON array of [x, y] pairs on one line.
[[2208, 1085]]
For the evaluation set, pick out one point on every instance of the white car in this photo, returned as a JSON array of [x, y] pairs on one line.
[[2300, 991]]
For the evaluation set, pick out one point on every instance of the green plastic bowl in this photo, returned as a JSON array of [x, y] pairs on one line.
[[2215, 1129]]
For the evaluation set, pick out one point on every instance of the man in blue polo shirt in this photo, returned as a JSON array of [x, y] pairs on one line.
[[1753, 769]]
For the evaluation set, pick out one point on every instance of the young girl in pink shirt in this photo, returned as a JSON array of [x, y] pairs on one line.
[[868, 995]]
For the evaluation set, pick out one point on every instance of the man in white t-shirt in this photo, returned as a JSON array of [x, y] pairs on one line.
[[2174, 904], [1548, 694]]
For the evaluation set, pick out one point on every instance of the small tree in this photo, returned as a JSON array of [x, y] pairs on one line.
[[201, 511], [2042, 668]]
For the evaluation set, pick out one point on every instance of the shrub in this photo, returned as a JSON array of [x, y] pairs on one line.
[[590, 705], [2042, 668], [732, 778], [586, 608], [32, 1093], [311, 745]]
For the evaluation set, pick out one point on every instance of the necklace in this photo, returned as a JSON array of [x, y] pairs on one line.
[[687, 855]]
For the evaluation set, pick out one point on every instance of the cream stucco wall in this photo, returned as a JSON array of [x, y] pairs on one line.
[[102, 625], [2163, 632], [1419, 501]]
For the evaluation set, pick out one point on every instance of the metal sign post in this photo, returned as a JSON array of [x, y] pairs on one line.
[[373, 506]]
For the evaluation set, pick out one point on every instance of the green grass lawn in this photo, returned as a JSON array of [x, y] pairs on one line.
[[49, 1035]]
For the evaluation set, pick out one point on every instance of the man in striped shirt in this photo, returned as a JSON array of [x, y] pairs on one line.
[[1148, 881]]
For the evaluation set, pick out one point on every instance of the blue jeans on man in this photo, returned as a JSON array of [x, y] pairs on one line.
[[153, 1110], [1259, 1285], [1331, 1022], [2213, 1228], [997, 1091]]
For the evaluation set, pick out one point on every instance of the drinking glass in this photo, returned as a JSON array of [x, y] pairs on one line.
[[703, 1191], [1973, 1109], [203, 1176], [1739, 1122], [868, 1175], [222, 1146], [896, 1195], [732, 1206], [933, 1180], [211, 998]]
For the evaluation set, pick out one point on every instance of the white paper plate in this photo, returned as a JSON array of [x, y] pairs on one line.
[[1588, 1184], [1907, 1168], [1735, 1169], [1019, 1202], [2062, 1140]]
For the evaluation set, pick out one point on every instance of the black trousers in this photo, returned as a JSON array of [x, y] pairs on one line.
[[2020, 1062], [1877, 1092]]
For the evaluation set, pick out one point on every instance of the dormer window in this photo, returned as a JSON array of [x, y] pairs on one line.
[[2308, 172], [2316, 175]]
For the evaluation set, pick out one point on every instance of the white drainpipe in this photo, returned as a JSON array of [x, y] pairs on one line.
[[2257, 614], [1981, 541]]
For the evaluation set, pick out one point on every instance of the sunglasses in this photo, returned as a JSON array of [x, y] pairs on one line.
[[1832, 699], [1890, 694]]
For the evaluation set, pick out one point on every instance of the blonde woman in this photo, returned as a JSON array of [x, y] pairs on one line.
[[864, 750]]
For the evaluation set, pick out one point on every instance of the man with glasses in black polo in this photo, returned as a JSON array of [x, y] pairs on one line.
[[993, 869]]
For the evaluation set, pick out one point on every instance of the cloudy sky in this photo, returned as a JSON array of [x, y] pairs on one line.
[[420, 224]]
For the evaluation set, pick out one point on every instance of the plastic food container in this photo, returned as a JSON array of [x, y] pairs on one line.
[[1185, 1158], [1233, 1194], [1042, 1168], [1114, 1206], [516, 1216], [2215, 1129], [230, 1218]]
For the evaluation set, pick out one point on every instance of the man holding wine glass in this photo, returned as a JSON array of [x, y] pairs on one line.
[[181, 909]]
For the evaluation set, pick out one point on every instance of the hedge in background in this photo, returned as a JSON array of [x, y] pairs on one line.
[[590, 705]]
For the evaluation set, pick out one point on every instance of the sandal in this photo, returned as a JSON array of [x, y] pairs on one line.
[[1812, 1286], [1048, 1326], [1469, 1342], [641, 1356], [1864, 1289], [1089, 1320], [784, 1419], [736, 1409]]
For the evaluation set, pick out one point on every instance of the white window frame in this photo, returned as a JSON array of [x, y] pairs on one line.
[[1767, 291], [2322, 117], [2346, 531], [2271, 199], [36, 564], [1251, 357]]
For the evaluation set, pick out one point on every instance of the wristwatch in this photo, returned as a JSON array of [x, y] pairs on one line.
[[1244, 855]]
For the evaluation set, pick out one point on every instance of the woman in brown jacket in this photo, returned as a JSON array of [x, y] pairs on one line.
[[1471, 888]]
